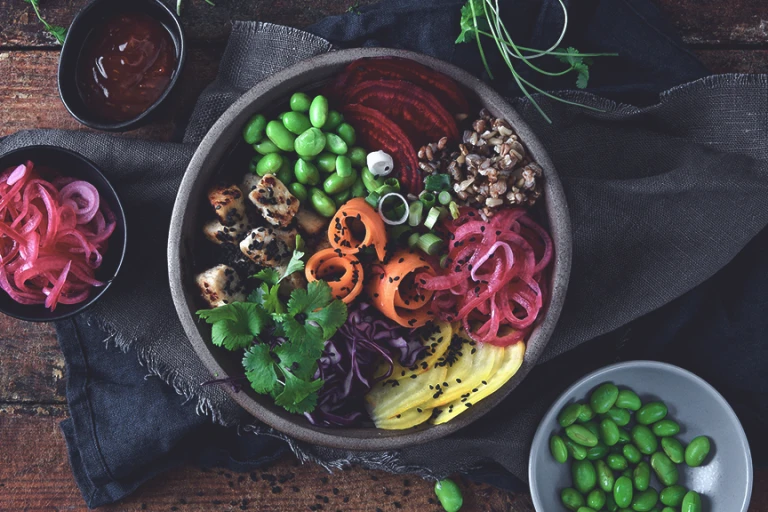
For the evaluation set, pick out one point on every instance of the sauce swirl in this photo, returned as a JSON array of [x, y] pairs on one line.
[[125, 66]]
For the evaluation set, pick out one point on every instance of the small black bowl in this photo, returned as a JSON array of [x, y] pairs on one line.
[[85, 22], [76, 166]]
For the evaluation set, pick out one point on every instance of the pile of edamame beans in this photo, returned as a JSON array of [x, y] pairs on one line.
[[311, 150], [609, 468]]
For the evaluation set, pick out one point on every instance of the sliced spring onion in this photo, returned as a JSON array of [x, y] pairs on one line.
[[437, 182], [453, 207], [373, 199], [433, 216], [444, 197], [394, 197], [417, 211], [444, 260], [371, 182], [413, 239], [430, 243], [427, 199]]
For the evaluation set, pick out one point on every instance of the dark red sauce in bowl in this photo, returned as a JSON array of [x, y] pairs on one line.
[[125, 66]]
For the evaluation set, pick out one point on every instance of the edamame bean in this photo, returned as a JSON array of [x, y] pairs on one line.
[[300, 102], [296, 122], [645, 500], [674, 449], [644, 439], [696, 451], [586, 509], [581, 435], [280, 136], [358, 156], [691, 502], [334, 121], [253, 163], [617, 462], [343, 197], [609, 432], [665, 469], [610, 503], [569, 414], [254, 129], [558, 449], [624, 436], [586, 413], [336, 183], [306, 172], [344, 166], [598, 451], [651, 413], [281, 115], [641, 476], [285, 174], [571, 498], [584, 475], [631, 453], [358, 189], [318, 111], [667, 509], [347, 133], [270, 164], [628, 399], [604, 397], [322, 204], [622, 491], [576, 451], [449, 495], [266, 147], [596, 499], [619, 416], [673, 495], [336, 144], [326, 162], [310, 143], [665, 428], [604, 476], [299, 191]]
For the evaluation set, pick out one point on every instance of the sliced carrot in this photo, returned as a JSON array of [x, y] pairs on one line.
[[343, 237], [393, 292], [344, 274]]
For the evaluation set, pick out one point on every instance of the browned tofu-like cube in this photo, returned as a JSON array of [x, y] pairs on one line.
[[275, 202], [229, 205], [267, 247], [220, 285], [311, 223], [218, 233]]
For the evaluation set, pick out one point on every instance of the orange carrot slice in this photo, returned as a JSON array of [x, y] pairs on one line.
[[344, 274], [355, 226]]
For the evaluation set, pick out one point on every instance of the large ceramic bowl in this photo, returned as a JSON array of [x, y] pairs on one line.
[[215, 156], [724, 480]]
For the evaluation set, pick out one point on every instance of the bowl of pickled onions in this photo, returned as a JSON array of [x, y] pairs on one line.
[[62, 233]]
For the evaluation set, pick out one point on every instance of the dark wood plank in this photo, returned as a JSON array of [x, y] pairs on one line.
[[41, 480], [709, 22], [735, 61]]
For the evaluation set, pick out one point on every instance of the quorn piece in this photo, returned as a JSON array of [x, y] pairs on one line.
[[267, 247], [249, 183], [276, 204], [228, 203], [311, 223], [220, 285], [218, 233]]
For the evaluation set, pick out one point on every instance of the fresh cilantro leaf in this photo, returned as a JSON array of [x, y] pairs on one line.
[[269, 276], [260, 368], [267, 298], [305, 336], [296, 264], [60, 33], [355, 7], [226, 312], [296, 396], [330, 318], [307, 405], [317, 295], [240, 323], [578, 63], [467, 23], [302, 363], [313, 316], [582, 80]]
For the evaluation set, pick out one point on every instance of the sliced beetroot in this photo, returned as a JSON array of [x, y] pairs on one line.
[[376, 131], [441, 86], [421, 116]]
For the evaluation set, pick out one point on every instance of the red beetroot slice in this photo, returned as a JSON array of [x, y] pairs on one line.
[[378, 132], [441, 86], [416, 111]]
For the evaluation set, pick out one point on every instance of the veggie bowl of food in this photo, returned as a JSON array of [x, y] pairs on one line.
[[369, 249]]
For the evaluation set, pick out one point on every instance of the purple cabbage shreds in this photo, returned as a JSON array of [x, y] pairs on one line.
[[350, 361], [233, 382]]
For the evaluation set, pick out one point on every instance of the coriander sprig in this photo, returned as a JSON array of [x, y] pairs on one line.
[[60, 33], [482, 18]]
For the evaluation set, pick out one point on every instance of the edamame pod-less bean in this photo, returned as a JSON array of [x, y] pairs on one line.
[[358, 189], [691, 502], [569, 414], [610, 503], [322, 204], [604, 397], [624, 436], [336, 144], [665, 428], [668, 509], [628, 399], [586, 509], [285, 174], [576, 451], [281, 115], [326, 162], [593, 427], [300, 102], [580, 434], [253, 163], [571, 498], [344, 166], [270, 164], [318, 111], [336, 183], [651, 413], [596, 499], [586, 413], [254, 129], [631, 453], [609, 432], [449, 495], [280, 136], [343, 197], [299, 191], [584, 475], [266, 147], [617, 462], [645, 501], [673, 495], [347, 133], [674, 449], [604, 476], [334, 121], [558, 449], [641, 476], [597, 452], [310, 143], [665, 469], [358, 156], [696, 451], [644, 439], [622, 492], [296, 122], [306, 172], [619, 416]]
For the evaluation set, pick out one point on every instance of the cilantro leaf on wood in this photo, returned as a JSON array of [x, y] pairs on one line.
[[260, 368], [60, 33], [298, 396]]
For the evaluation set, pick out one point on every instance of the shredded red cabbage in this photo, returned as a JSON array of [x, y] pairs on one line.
[[352, 358]]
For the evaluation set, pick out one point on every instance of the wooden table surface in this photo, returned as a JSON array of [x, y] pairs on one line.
[[34, 473]]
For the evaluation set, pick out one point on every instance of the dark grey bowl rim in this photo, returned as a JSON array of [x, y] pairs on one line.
[[205, 161], [119, 214], [66, 73], [540, 438]]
